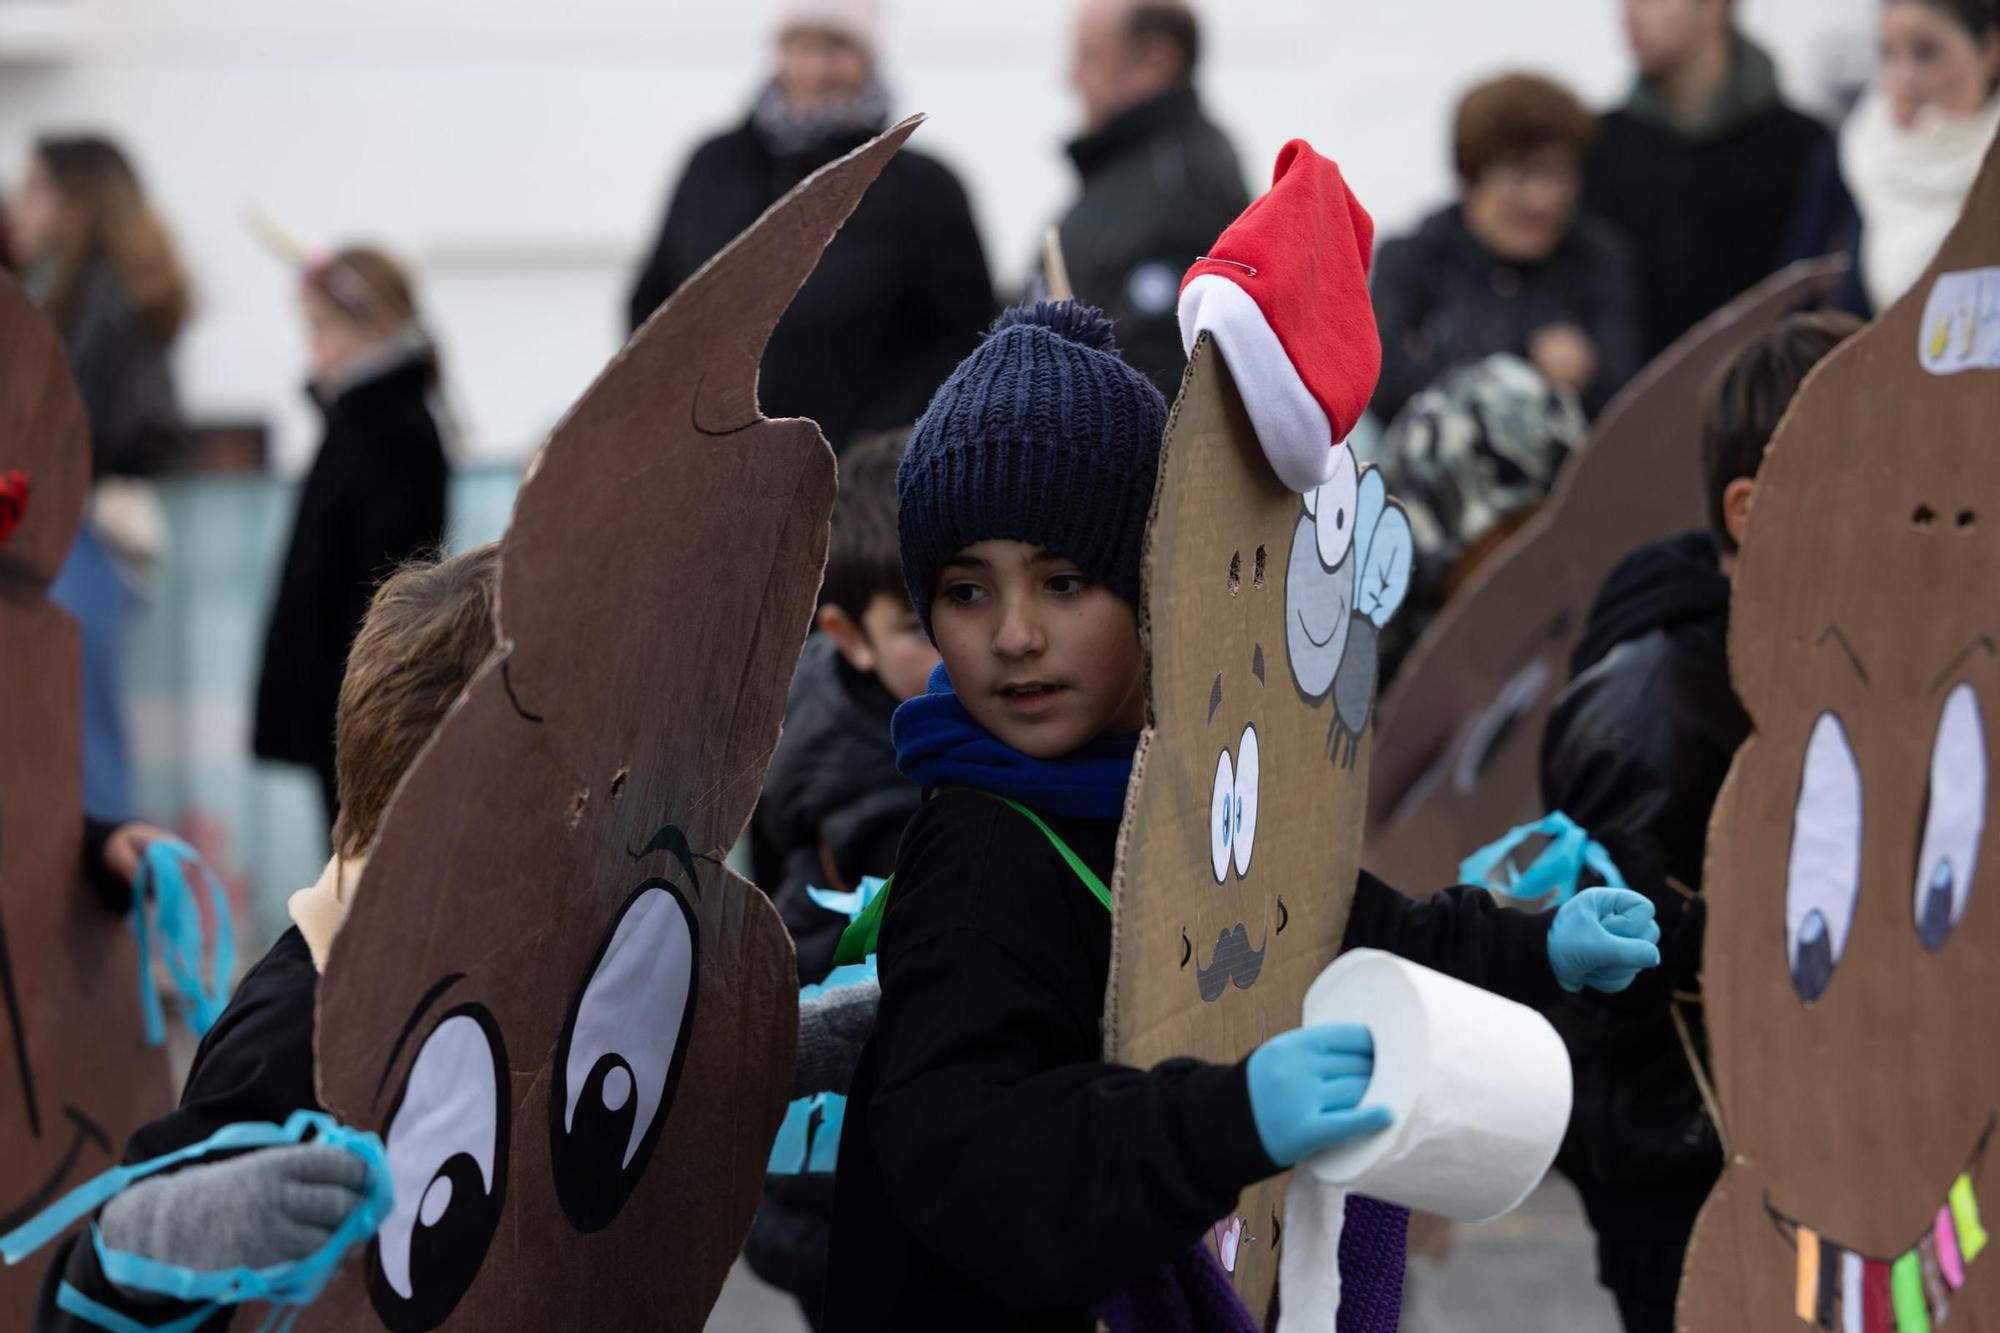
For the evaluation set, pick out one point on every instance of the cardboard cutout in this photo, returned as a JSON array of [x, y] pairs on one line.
[[1456, 764], [1238, 852], [1852, 957], [571, 1024], [76, 1075]]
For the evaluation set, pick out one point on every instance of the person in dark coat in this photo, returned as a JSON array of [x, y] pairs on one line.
[[995, 1172], [1160, 180], [834, 806], [426, 634], [901, 292], [1512, 267], [1703, 166], [1636, 749], [100, 262], [375, 497]]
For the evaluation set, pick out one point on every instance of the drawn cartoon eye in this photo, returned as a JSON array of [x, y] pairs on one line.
[[1824, 876], [1333, 508], [447, 1145], [1246, 800], [1222, 816], [1954, 820], [620, 1056]]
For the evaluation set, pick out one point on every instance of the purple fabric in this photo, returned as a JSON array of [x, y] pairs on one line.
[[1373, 1245], [1194, 1295], [1190, 1295]]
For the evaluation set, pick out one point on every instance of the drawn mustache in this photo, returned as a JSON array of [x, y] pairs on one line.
[[1232, 961]]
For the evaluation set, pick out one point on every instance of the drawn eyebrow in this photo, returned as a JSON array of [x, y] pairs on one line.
[[1215, 696], [670, 839], [431, 997], [1853, 658], [1951, 668]]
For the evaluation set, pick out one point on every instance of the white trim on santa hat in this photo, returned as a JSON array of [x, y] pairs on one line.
[[1290, 423]]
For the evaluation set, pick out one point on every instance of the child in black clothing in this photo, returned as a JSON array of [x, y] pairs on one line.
[[994, 1171], [834, 805], [427, 631]]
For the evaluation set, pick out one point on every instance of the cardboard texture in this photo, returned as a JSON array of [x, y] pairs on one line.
[[1456, 761], [1225, 913], [76, 1075], [1852, 959], [572, 1025]]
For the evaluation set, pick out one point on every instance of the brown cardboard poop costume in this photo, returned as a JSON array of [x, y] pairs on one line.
[[1461, 731], [76, 1075], [1240, 844], [1852, 956], [572, 1026]]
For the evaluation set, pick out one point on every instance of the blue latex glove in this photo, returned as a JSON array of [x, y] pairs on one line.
[[1603, 939], [1306, 1087]]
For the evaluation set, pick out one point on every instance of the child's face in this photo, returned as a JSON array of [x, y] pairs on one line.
[[1041, 654], [903, 654]]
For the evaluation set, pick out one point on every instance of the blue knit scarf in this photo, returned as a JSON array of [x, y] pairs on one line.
[[939, 745]]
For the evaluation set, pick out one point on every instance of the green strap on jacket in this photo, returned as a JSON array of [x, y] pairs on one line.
[[862, 933]]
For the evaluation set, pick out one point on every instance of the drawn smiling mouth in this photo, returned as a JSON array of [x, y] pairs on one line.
[[86, 1131], [1306, 628], [1832, 1276]]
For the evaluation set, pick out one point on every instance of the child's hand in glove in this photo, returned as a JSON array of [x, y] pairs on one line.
[[833, 1027], [1306, 1087], [1603, 939], [263, 1208]]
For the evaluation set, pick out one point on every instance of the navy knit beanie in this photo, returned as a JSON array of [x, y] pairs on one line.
[[1042, 435]]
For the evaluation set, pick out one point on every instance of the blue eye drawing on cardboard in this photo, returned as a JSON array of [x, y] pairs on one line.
[[1954, 819], [1823, 878]]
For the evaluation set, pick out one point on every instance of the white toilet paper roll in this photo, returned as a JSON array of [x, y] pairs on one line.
[[1480, 1088]]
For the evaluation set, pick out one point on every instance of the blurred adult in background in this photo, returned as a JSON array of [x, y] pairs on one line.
[[903, 291], [1512, 267], [1160, 180], [374, 498], [1703, 166], [1914, 145], [99, 261]]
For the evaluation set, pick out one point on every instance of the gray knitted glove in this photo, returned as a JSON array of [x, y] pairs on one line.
[[253, 1211], [833, 1027]]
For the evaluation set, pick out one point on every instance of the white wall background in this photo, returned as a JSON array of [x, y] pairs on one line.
[[520, 150]]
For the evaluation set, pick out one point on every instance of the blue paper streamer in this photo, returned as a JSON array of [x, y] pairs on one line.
[[162, 885], [1554, 875], [296, 1283], [849, 905]]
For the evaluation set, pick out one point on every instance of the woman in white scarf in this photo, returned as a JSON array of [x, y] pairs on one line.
[[1915, 143]]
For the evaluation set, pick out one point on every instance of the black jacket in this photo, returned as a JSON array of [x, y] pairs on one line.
[[255, 1064], [1707, 219], [900, 295], [1443, 300], [1636, 749], [995, 1172], [122, 375], [833, 811], [375, 497], [1160, 182], [834, 806]]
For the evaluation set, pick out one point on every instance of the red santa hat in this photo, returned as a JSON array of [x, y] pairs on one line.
[[1284, 294]]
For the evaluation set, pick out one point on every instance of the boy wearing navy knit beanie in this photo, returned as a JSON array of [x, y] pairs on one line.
[[995, 1172]]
